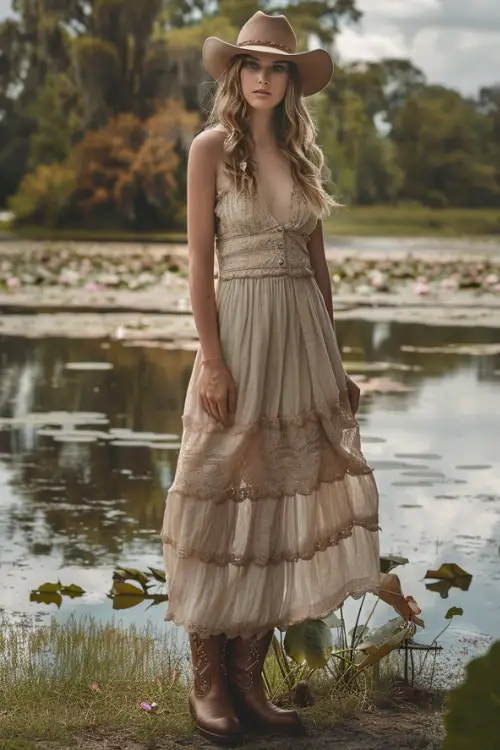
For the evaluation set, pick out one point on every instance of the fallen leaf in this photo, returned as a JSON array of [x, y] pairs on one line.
[[448, 571]]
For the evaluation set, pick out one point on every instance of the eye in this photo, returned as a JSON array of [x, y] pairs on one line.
[[251, 64], [280, 67]]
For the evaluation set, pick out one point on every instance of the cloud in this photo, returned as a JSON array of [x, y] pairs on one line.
[[5, 8], [456, 43]]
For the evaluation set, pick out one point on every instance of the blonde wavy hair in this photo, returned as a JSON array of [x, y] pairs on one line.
[[295, 135]]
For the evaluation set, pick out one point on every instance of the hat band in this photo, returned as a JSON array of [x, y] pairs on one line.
[[265, 43]]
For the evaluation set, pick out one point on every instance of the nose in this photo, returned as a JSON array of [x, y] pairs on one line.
[[263, 80]]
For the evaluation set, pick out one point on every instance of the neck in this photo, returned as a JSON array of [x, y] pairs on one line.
[[261, 128]]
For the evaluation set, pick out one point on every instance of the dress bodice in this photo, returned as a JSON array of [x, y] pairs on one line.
[[251, 243]]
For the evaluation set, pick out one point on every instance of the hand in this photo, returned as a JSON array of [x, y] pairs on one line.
[[217, 391], [354, 393]]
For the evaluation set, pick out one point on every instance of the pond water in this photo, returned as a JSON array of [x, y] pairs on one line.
[[89, 434]]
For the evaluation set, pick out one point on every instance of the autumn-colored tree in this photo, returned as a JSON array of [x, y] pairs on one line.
[[130, 173]]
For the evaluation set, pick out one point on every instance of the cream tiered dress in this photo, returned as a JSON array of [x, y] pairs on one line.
[[273, 520]]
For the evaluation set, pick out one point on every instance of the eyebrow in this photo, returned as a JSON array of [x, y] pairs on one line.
[[273, 62]]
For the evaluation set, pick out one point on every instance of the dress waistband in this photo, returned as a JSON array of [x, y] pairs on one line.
[[259, 273]]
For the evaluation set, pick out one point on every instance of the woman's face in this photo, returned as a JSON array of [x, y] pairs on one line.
[[262, 73]]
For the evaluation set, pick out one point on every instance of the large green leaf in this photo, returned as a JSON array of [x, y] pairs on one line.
[[473, 718], [310, 642]]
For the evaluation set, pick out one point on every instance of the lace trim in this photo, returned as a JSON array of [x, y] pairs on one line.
[[252, 493], [239, 561], [323, 609]]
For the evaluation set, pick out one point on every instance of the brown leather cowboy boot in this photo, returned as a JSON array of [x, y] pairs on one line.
[[209, 702], [245, 661]]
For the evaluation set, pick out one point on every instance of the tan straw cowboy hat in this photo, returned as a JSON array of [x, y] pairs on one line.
[[272, 35]]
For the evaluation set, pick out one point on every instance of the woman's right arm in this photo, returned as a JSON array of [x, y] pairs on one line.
[[201, 181], [216, 386]]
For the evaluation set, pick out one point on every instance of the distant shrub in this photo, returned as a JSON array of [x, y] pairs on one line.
[[436, 199], [44, 196]]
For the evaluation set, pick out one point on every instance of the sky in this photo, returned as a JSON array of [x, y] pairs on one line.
[[455, 42]]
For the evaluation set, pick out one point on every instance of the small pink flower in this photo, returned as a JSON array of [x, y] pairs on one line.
[[421, 288], [91, 286], [491, 279], [13, 282]]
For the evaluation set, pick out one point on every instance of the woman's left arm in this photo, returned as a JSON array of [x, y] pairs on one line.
[[316, 247]]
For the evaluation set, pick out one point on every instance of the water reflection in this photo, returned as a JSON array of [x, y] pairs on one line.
[[89, 437]]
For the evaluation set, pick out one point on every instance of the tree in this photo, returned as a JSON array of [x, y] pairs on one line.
[[440, 139]]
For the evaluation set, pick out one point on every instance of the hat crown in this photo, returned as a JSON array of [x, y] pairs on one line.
[[268, 31]]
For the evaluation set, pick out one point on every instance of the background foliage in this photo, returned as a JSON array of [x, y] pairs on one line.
[[99, 100]]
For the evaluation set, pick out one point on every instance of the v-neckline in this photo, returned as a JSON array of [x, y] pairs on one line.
[[268, 211]]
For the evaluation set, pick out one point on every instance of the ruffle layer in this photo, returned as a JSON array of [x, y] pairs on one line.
[[247, 601], [288, 528]]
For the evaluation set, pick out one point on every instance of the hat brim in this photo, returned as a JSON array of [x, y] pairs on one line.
[[315, 66]]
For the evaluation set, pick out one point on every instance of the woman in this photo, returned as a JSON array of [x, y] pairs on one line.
[[272, 517]]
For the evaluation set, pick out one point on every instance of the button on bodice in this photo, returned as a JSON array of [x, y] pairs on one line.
[[251, 243]]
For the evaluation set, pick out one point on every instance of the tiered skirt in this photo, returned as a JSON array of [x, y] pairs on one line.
[[273, 520]]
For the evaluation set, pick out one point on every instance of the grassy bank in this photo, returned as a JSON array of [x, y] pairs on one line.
[[368, 221], [83, 679], [414, 221]]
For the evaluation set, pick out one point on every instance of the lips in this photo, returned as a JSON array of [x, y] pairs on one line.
[[261, 91]]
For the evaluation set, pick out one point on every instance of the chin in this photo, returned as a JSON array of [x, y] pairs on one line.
[[257, 103]]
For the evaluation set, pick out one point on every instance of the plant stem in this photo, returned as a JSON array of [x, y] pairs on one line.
[[280, 659], [436, 639], [354, 632]]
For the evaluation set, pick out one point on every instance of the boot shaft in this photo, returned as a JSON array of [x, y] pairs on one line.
[[246, 659], [208, 656]]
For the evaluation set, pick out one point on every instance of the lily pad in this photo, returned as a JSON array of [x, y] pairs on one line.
[[447, 572]]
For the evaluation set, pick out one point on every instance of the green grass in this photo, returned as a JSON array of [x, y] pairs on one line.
[[87, 235], [412, 221], [82, 677], [367, 221], [46, 678]]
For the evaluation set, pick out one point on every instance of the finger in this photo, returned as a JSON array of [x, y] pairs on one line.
[[222, 409], [214, 410], [231, 399], [204, 404]]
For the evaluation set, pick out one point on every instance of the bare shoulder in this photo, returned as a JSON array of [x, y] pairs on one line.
[[209, 144]]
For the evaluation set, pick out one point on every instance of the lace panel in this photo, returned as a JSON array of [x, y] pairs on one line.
[[274, 457]]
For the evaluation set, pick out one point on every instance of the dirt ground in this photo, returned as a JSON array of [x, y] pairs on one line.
[[392, 729]]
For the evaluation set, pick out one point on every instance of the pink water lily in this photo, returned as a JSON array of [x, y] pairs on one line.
[[13, 282], [421, 287]]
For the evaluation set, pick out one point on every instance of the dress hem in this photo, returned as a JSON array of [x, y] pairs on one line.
[[356, 589]]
